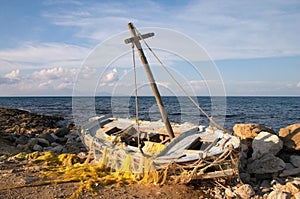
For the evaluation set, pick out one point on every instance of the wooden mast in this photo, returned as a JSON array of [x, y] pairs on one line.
[[135, 40]]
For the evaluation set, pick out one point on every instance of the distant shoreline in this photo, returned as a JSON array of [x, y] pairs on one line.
[[67, 96]]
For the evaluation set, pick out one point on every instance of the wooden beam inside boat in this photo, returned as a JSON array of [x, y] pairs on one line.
[[135, 40]]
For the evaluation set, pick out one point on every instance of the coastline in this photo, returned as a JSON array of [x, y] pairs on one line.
[[19, 128], [20, 172]]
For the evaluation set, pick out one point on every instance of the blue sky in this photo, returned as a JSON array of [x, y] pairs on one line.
[[254, 44]]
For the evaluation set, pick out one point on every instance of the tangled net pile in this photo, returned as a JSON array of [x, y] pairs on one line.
[[66, 168]]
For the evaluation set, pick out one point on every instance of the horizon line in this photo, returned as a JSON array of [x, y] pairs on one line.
[[150, 96]]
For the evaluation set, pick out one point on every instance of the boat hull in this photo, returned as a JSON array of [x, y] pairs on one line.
[[122, 145]]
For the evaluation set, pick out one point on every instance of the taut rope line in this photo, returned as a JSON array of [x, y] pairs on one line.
[[181, 87]]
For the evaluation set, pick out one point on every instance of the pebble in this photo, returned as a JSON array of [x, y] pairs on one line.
[[229, 193], [61, 132], [43, 142], [278, 194], [37, 147], [245, 191]]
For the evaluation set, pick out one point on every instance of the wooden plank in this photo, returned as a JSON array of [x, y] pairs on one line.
[[144, 36], [215, 174]]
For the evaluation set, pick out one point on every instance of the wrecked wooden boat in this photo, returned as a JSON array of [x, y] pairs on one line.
[[187, 151]]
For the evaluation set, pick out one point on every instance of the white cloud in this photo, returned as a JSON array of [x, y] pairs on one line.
[[35, 55], [54, 73], [53, 81], [87, 72], [236, 29], [64, 85], [240, 29], [30, 52], [111, 76], [44, 85], [13, 74]]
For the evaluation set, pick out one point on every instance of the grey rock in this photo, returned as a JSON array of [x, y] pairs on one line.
[[49, 148], [72, 135], [266, 143], [290, 172], [295, 160], [30, 144], [47, 137], [61, 132], [266, 164], [265, 183], [61, 140], [64, 150], [264, 176], [54, 136], [289, 166], [43, 142], [23, 139], [21, 146], [265, 186], [54, 144], [78, 139], [278, 194], [61, 123], [58, 149], [245, 177], [245, 191], [29, 180], [37, 147]]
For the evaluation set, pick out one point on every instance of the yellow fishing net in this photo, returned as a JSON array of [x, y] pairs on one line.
[[113, 169], [70, 168]]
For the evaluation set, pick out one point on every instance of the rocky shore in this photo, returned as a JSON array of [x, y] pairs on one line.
[[269, 162], [29, 132]]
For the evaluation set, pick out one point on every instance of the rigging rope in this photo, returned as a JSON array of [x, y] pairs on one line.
[[135, 86], [181, 87], [136, 99]]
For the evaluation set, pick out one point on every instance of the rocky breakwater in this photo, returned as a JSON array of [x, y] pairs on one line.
[[27, 132], [269, 162]]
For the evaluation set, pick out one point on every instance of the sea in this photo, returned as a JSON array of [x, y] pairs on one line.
[[274, 112]]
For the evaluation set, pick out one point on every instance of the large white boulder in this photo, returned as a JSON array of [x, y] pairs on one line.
[[266, 143]]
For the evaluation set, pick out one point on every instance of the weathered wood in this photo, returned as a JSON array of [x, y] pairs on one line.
[[135, 40], [215, 174], [144, 36]]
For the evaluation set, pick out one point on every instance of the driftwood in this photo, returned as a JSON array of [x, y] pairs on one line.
[[216, 174]]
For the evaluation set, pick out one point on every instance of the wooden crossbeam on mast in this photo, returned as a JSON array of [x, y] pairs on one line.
[[135, 39]]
